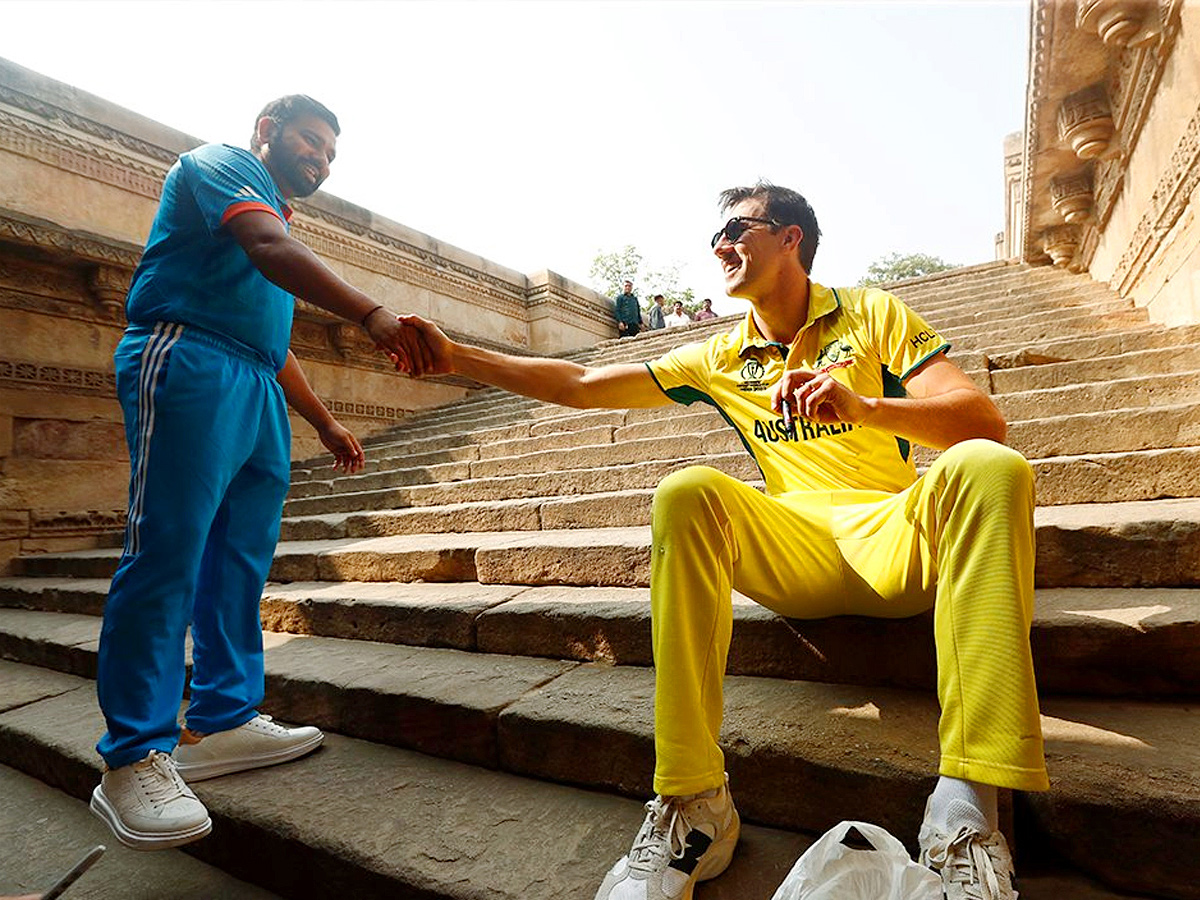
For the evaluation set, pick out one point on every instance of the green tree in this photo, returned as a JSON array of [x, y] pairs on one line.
[[898, 266], [611, 269]]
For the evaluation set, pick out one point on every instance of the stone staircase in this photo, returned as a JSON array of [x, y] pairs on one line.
[[469, 618]]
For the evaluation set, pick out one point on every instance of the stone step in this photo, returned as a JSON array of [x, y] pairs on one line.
[[1173, 389], [843, 752], [1013, 318], [1162, 362], [1005, 296], [1086, 641], [364, 820], [1131, 544], [638, 455], [1007, 355], [1065, 325], [44, 833]]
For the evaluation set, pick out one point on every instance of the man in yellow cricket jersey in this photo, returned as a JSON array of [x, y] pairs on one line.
[[845, 526]]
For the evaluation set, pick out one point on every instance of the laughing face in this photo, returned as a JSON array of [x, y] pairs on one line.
[[750, 263], [298, 154]]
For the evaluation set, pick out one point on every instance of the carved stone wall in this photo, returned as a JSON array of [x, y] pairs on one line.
[[79, 185], [1113, 146]]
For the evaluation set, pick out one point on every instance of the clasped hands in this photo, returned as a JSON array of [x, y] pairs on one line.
[[415, 346]]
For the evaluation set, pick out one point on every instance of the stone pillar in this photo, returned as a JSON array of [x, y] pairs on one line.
[[1085, 121], [1071, 196]]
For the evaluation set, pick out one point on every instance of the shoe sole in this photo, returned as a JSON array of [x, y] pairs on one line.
[[203, 770], [143, 840]]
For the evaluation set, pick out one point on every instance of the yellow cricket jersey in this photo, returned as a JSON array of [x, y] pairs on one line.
[[865, 338]]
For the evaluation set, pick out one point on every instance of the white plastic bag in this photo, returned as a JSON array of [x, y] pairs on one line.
[[829, 870]]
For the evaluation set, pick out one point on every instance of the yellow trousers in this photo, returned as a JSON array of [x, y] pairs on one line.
[[960, 539]]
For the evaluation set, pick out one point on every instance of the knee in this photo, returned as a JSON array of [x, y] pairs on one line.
[[988, 464], [683, 495]]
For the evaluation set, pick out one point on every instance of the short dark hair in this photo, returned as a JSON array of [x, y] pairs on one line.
[[784, 206], [659, 297], [293, 106]]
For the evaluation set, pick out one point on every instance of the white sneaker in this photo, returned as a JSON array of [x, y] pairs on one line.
[[684, 840], [257, 743], [148, 807], [974, 864]]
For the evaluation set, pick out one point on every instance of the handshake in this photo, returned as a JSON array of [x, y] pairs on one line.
[[415, 346]]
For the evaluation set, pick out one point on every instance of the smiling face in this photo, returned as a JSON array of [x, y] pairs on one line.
[[298, 153], [751, 264]]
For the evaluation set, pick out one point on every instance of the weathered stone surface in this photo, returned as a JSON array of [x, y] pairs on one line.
[[557, 440], [438, 701], [427, 615], [419, 826], [24, 684], [65, 642], [1112, 766], [70, 595], [64, 439], [1101, 369], [1137, 544], [615, 556], [1171, 389], [1107, 432], [44, 833], [617, 509], [1118, 477]]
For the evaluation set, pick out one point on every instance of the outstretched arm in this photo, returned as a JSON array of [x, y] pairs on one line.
[[338, 440], [554, 380], [943, 407], [288, 263]]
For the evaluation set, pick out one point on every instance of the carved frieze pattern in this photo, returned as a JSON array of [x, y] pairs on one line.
[[52, 113], [25, 232], [57, 378], [1168, 202], [364, 410], [93, 161]]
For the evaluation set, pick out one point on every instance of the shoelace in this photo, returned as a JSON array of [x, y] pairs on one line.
[[971, 860], [664, 831], [159, 780], [269, 725]]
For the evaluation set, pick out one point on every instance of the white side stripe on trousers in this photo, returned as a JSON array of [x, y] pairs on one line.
[[154, 356]]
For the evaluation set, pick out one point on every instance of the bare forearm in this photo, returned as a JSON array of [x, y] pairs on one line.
[[939, 421], [300, 395], [291, 265], [552, 380]]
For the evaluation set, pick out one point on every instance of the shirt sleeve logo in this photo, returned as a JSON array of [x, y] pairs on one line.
[[247, 192], [835, 351]]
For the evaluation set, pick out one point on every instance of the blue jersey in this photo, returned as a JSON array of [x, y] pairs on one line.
[[194, 272]]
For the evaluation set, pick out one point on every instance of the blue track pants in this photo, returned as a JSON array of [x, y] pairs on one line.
[[209, 446]]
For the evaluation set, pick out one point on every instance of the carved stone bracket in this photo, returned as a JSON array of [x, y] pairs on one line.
[[1120, 23], [1071, 196], [1061, 244], [1085, 121], [109, 285], [345, 339]]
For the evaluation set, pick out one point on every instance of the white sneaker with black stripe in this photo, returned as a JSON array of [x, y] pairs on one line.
[[684, 840]]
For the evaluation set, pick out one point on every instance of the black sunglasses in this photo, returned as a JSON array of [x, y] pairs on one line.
[[739, 225]]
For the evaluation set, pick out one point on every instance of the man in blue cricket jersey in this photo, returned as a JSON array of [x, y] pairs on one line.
[[203, 371]]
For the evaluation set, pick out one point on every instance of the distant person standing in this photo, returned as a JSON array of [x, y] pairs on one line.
[[657, 315], [706, 311], [628, 311], [677, 316]]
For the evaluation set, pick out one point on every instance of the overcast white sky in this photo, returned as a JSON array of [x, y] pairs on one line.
[[539, 133]]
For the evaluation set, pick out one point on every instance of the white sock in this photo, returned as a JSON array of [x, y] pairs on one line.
[[955, 803]]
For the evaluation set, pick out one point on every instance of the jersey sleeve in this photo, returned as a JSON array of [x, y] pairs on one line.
[[683, 373], [905, 340], [226, 182]]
